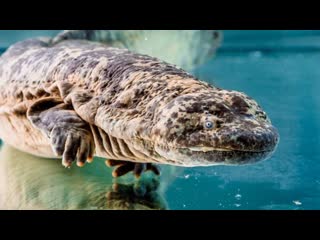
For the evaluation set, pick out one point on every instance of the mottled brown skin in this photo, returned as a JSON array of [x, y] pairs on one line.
[[76, 99]]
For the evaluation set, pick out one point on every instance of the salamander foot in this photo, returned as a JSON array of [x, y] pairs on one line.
[[124, 167]]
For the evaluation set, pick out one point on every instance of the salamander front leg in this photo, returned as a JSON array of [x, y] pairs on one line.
[[124, 167], [70, 137]]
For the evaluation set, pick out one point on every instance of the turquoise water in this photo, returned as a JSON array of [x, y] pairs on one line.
[[286, 84], [280, 70]]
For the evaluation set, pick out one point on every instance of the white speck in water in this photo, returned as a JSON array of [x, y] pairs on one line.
[[186, 176], [238, 196], [297, 202], [256, 54], [237, 205], [146, 38], [184, 205]]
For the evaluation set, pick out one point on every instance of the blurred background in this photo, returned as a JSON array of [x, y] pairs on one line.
[[233, 39], [280, 70]]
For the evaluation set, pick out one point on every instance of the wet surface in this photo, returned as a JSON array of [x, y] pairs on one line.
[[29, 182]]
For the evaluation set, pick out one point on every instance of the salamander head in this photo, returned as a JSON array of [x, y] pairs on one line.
[[214, 127]]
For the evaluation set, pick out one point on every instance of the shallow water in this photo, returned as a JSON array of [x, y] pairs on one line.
[[281, 72]]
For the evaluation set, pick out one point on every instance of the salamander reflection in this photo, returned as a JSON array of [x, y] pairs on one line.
[[29, 182]]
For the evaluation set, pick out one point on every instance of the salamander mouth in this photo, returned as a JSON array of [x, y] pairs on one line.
[[207, 156], [210, 156], [212, 149]]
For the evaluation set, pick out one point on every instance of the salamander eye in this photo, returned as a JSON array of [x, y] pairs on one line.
[[209, 124]]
